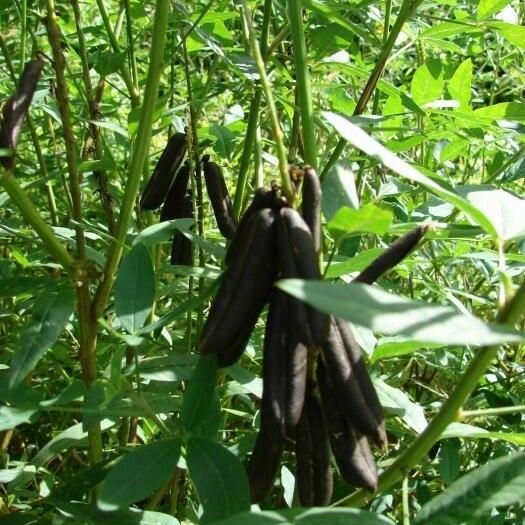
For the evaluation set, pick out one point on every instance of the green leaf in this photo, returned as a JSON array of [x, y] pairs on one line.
[[427, 82], [463, 430], [108, 63], [138, 474], [449, 463], [72, 437], [219, 478], [395, 399], [389, 347], [338, 189], [503, 110], [449, 29], [358, 138], [313, 516], [11, 417], [460, 85], [372, 307], [489, 7], [503, 209], [353, 264], [367, 219], [496, 484], [135, 288], [95, 516], [514, 33], [50, 315], [162, 231], [198, 397]]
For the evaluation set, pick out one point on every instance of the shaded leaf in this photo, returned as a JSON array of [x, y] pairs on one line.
[[11, 417], [219, 478], [498, 483], [135, 288], [367, 219], [138, 474], [50, 315], [198, 397]]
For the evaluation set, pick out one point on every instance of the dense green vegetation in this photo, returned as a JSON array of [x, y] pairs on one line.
[[412, 113]]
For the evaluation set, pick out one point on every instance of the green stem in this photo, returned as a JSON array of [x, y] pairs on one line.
[[23, 35], [499, 411], [133, 94], [407, 10], [139, 154], [31, 215], [62, 96], [295, 14], [100, 174], [448, 412], [267, 89]]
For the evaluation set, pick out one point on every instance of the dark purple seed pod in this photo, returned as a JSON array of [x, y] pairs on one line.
[[392, 256], [219, 197], [244, 290], [311, 205], [15, 109], [175, 206], [160, 182]]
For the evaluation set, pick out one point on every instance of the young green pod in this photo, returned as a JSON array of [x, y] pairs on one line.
[[219, 197], [392, 256], [343, 377], [161, 179], [350, 449], [15, 109], [311, 205], [244, 290]]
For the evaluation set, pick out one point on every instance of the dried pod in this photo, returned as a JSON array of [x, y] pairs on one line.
[[159, 184], [350, 449], [175, 205], [298, 259], [181, 250], [296, 376], [311, 205], [265, 460], [344, 379], [355, 356], [392, 256], [323, 479], [244, 290], [304, 474], [219, 197], [15, 109]]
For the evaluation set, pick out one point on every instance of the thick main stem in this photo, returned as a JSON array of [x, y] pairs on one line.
[[303, 86], [139, 155]]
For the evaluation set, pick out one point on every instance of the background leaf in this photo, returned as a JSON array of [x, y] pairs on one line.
[[50, 315], [498, 483], [219, 478], [135, 288], [138, 474]]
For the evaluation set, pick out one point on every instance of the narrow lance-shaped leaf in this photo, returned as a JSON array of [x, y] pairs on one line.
[[390, 314], [50, 315]]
